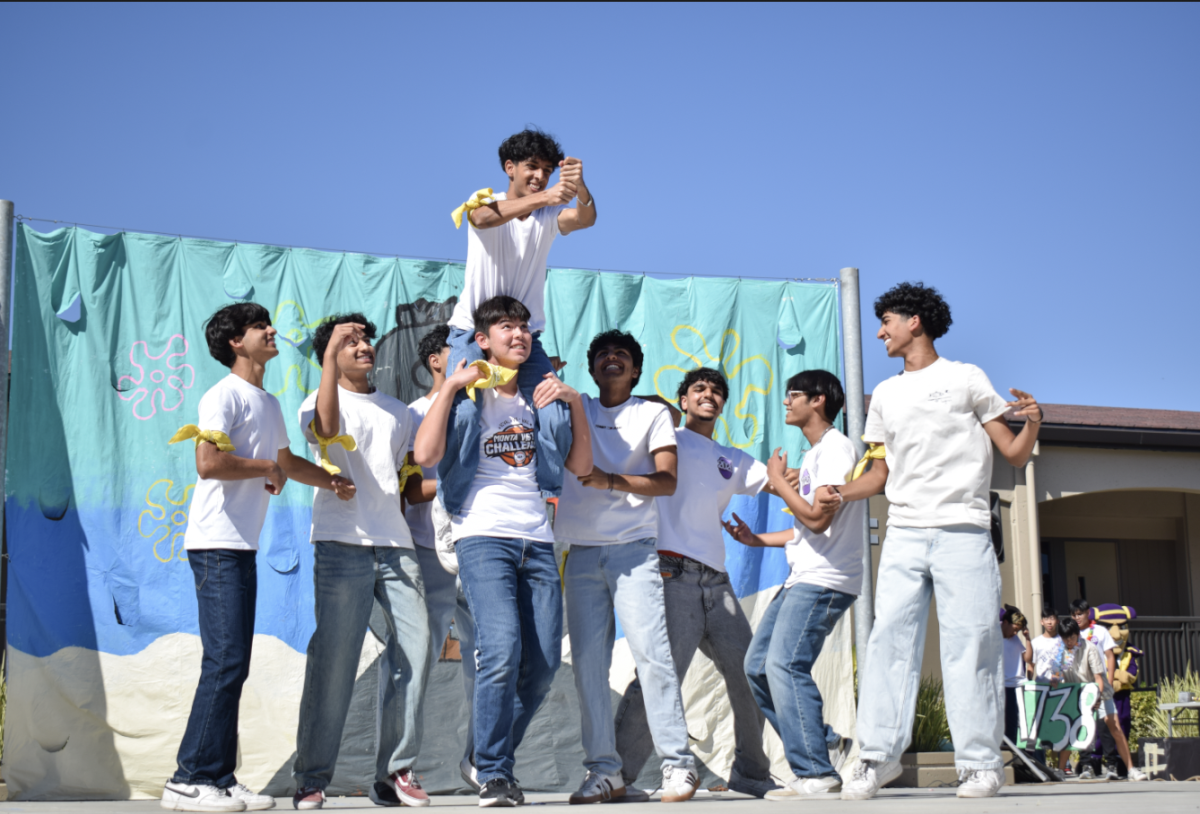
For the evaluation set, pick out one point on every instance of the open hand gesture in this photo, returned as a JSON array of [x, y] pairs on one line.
[[742, 533], [553, 388], [1026, 406]]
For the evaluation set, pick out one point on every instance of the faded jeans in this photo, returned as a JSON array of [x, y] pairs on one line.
[[958, 565], [779, 665], [444, 601], [623, 577], [552, 423], [347, 580], [512, 587], [704, 613]]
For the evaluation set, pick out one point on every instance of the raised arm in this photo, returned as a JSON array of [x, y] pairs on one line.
[[1016, 449], [584, 214], [430, 443], [327, 419]]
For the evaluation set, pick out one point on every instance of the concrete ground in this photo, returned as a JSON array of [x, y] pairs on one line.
[[1062, 798]]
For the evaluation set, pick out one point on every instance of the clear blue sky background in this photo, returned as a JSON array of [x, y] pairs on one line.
[[1038, 164]]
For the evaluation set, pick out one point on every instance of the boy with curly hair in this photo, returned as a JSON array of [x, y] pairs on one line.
[[938, 422]]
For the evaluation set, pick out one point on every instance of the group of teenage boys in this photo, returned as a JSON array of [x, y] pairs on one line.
[[437, 512]]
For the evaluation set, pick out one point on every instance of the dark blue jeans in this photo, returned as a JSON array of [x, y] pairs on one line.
[[552, 424], [515, 596], [226, 590], [779, 665]]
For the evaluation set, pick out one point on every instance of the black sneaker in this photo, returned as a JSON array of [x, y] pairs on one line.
[[382, 794], [500, 792]]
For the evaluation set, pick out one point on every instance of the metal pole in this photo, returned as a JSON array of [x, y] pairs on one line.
[[856, 423], [6, 253]]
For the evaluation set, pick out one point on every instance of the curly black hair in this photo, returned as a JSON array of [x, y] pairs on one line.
[[917, 300], [619, 339], [703, 374], [229, 323], [320, 339], [820, 383], [530, 143], [432, 344]]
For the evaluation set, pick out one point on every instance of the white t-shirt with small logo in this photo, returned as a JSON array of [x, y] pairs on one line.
[[229, 514], [504, 500], [508, 259], [834, 558], [1099, 636], [382, 429], [1047, 658], [939, 457], [420, 516], [689, 521], [623, 440]]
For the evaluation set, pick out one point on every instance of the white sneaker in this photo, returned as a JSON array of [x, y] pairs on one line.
[[184, 797], [598, 788], [838, 755], [679, 784], [869, 777], [254, 802], [748, 785], [819, 788], [981, 783], [1136, 775]]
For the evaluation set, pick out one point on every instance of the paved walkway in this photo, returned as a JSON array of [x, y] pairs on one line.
[[1061, 798]]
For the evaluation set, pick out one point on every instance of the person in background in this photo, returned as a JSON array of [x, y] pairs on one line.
[[1018, 657], [1099, 636]]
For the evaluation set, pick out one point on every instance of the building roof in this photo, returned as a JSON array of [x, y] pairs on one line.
[[1076, 424]]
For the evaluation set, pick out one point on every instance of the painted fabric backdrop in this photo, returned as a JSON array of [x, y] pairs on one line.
[[109, 359]]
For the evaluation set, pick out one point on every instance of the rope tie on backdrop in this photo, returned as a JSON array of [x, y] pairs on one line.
[[212, 436], [323, 461], [493, 376], [481, 198]]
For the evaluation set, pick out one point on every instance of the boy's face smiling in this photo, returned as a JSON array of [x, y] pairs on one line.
[[530, 176], [896, 331], [507, 343], [703, 400], [1081, 619], [258, 342], [614, 367], [356, 357]]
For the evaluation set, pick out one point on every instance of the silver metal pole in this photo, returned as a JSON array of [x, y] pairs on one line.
[[6, 253], [856, 423]]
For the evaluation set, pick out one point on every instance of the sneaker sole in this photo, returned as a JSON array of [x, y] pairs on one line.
[[975, 794], [863, 795], [497, 803], [266, 806], [751, 791], [612, 796], [179, 805], [679, 798], [409, 800], [642, 797]]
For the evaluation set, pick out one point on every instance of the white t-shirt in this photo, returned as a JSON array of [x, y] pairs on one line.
[[834, 558], [420, 516], [230, 513], [382, 431], [689, 521], [1047, 658], [1099, 636], [623, 438], [504, 500], [508, 259], [939, 457], [1014, 661]]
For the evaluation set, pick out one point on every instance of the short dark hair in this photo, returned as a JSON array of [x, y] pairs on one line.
[[1080, 606], [325, 330], [820, 383], [229, 323], [432, 344], [1067, 627], [1048, 611], [496, 309], [620, 339], [530, 143], [917, 300], [703, 374]]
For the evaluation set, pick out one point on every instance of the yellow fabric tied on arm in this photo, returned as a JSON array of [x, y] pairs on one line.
[[407, 471], [212, 436], [323, 459], [481, 198], [493, 376], [875, 452]]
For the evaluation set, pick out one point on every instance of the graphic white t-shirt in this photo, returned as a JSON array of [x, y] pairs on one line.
[[623, 438], [230, 513], [1099, 636], [1047, 658], [939, 457], [382, 431], [1014, 661], [420, 516], [509, 259], [832, 559], [689, 521], [504, 500]]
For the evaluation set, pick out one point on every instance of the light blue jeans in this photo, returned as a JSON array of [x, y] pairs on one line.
[[347, 579], [444, 601], [957, 565], [552, 423], [779, 664], [513, 590], [625, 578]]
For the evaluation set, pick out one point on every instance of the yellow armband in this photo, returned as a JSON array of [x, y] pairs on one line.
[[480, 198], [493, 376], [323, 459], [212, 436], [875, 452], [406, 471]]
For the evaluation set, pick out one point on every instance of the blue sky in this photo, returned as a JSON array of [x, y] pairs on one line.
[[1037, 163]]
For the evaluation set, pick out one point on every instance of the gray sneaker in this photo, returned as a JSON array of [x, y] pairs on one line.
[[632, 795]]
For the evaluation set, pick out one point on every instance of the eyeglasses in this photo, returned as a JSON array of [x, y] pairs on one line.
[[791, 394]]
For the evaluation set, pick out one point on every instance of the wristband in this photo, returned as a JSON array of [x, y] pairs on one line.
[[610, 481]]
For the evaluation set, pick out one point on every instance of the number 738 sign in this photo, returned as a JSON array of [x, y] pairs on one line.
[[1059, 717]]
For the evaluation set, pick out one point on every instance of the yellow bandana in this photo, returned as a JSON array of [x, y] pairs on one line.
[[480, 198], [213, 436], [875, 452], [493, 376], [407, 471], [323, 459]]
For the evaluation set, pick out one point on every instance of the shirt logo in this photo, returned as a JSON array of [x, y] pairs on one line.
[[805, 483], [939, 395], [513, 443], [725, 467]]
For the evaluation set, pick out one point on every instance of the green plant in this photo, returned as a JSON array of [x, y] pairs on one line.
[[1143, 705], [1168, 693], [930, 727]]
